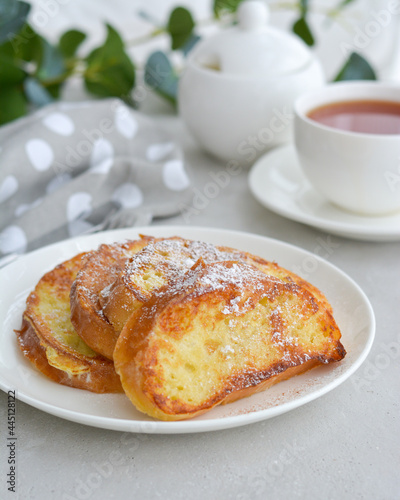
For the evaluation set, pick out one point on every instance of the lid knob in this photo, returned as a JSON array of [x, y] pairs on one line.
[[253, 15]]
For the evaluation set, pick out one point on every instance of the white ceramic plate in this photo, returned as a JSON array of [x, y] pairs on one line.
[[352, 309], [277, 182]]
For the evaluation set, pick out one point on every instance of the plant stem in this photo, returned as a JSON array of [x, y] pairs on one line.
[[61, 78], [145, 38]]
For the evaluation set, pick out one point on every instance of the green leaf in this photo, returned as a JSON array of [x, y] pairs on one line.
[[302, 29], [110, 72], [10, 73], [190, 44], [356, 68], [26, 44], [180, 27], [23, 46], [13, 16], [116, 80], [70, 41], [112, 47], [160, 76], [13, 104], [225, 6], [54, 89], [51, 64], [7, 9], [36, 93]]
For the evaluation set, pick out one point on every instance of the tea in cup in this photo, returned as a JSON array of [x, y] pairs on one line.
[[347, 139]]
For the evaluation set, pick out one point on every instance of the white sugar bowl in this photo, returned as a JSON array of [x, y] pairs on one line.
[[238, 87]]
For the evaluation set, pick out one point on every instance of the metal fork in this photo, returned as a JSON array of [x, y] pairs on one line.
[[124, 217], [117, 218]]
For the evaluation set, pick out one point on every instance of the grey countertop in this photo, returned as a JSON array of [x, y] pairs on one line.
[[344, 445]]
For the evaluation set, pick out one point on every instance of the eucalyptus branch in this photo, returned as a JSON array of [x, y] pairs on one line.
[[33, 70], [146, 38], [61, 78]]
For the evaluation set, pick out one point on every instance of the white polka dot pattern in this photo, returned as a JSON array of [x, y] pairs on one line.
[[174, 175], [8, 187], [102, 156], [79, 206], [156, 152], [128, 195], [39, 153], [126, 125], [13, 239], [59, 123], [67, 162]]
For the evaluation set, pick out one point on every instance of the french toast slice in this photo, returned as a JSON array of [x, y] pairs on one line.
[[161, 262], [224, 331], [100, 270], [158, 264], [48, 339]]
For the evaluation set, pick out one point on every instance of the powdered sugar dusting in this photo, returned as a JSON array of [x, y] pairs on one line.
[[169, 259], [227, 350], [237, 273], [285, 392], [242, 278], [178, 253]]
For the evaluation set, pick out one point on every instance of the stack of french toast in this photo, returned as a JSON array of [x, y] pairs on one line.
[[179, 325]]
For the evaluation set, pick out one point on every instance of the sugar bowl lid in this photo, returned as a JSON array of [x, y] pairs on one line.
[[252, 47]]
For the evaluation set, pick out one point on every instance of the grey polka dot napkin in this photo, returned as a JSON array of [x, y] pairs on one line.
[[66, 167]]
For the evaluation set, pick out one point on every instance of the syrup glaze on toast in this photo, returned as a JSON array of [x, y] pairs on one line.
[[189, 325], [48, 339]]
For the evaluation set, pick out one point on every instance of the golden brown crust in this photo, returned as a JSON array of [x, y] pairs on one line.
[[48, 339], [100, 270], [100, 376], [276, 328], [223, 320], [159, 264]]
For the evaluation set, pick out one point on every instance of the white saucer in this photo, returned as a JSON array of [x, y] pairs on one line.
[[278, 183]]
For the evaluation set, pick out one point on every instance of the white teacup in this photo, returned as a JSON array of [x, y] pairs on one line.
[[359, 172]]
